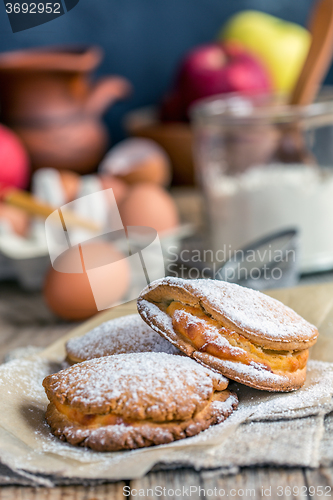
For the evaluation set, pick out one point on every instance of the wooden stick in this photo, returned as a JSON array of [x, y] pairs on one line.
[[320, 54], [25, 201]]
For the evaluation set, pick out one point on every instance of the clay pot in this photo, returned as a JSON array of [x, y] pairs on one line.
[[175, 138], [47, 97]]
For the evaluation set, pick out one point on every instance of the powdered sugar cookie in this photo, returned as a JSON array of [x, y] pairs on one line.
[[124, 335], [131, 401], [244, 334]]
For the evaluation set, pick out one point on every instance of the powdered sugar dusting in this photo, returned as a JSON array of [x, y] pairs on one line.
[[255, 372], [158, 319], [128, 334], [26, 370], [151, 310], [313, 398], [21, 379], [155, 382], [225, 407], [248, 309]]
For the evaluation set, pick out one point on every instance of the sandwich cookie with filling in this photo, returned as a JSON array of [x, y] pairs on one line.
[[244, 334], [129, 401], [124, 335]]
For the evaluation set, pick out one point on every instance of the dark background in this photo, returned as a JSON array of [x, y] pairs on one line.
[[143, 39]]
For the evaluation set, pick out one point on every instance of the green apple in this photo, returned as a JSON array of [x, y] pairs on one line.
[[282, 46]]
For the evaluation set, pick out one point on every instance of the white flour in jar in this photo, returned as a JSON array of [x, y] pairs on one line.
[[262, 200]]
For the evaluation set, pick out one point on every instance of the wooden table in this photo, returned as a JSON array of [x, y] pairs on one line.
[[24, 320]]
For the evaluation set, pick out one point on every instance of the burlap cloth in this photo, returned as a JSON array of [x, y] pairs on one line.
[[294, 429]]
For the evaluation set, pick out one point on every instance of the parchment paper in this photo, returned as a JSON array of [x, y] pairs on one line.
[[248, 437]]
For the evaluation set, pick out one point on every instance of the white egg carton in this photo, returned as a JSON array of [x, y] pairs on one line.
[[26, 259]]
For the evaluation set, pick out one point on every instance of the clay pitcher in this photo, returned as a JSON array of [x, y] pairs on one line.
[[47, 97]]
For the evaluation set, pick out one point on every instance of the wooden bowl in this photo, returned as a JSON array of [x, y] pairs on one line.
[[175, 138]]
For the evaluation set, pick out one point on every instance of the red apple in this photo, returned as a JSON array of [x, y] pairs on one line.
[[14, 162], [215, 69]]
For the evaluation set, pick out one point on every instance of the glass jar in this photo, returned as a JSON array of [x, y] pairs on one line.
[[250, 189]]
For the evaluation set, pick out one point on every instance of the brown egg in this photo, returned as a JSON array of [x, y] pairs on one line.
[[70, 182], [149, 205], [71, 296], [138, 160], [120, 188], [16, 217]]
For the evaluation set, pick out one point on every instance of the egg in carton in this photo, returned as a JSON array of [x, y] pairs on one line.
[[25, 255]]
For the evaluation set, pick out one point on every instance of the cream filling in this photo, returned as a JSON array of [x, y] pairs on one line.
[[208, 335]]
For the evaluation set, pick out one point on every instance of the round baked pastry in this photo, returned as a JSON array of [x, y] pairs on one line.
[[130, 401], [124, 335], [244, 334]]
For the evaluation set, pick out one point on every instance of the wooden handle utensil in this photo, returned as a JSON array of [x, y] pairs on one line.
[[292, 147], [30, 205]]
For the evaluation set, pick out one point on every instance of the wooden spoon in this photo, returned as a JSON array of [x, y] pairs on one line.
[[32, 206], [292, 147]]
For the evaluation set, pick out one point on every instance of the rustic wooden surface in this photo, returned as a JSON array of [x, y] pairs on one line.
[[24, 320]]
